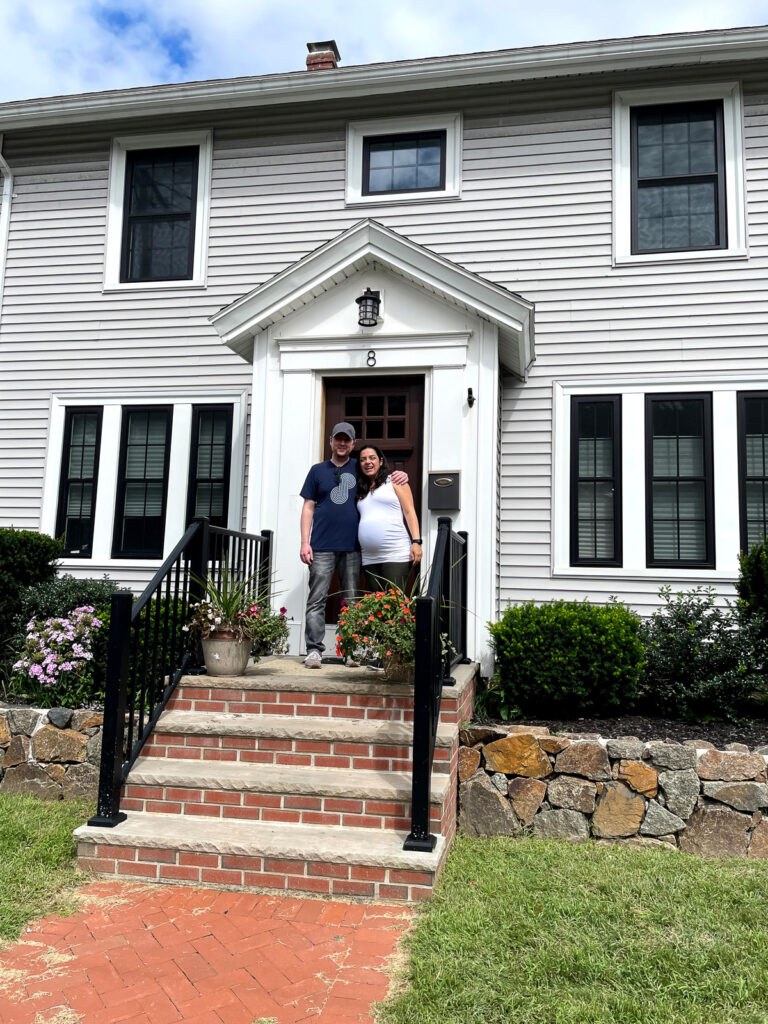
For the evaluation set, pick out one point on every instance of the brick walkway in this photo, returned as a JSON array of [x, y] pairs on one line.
[[155, 955]]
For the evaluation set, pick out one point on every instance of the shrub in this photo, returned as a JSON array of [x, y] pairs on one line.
[[702, 662], [26, 558], [564, 657], [752, 584], [57, 657]]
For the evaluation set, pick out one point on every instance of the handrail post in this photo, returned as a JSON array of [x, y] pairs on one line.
[[108, 813], [265, 565], [445, 525], [198, 559], [464, 588], [419, 837]]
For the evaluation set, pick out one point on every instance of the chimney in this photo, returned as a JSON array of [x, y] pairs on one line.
[[323, 56]]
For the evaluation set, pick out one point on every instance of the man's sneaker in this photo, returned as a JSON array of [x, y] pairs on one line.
[[313, 660]]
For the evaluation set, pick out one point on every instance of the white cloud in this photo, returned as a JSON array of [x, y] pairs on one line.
[[61, 46]]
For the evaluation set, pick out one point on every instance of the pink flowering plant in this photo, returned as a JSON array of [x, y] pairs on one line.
[[58, 654]]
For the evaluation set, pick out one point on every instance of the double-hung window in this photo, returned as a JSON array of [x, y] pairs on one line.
[[679, 481], [596, 480], [753, 466], [77, 486], [209, 461], [157, 224], [142, 486]]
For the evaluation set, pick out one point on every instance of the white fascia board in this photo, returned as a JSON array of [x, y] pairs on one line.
[[245, 317], [528, 63]]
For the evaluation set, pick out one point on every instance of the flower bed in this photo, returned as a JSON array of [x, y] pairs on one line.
[[687, 796]]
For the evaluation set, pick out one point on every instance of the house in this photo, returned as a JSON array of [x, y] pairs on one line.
[[569, 245]]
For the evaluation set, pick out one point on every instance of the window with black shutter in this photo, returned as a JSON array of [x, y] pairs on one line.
[[596, 480], [79, 475], [753, 467], [142, 485], [209, 461]]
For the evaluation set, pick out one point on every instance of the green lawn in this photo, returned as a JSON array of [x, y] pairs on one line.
[[535, 932], [37, 859]]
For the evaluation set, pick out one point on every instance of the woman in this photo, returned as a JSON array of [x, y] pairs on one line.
[[388, 550]]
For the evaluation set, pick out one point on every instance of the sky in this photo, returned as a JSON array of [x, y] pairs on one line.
[[53, 47]]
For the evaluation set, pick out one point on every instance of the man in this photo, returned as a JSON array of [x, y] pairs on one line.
[[329, 521]]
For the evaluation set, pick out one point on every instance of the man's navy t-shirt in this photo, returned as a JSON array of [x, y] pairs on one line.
[[332, 488]]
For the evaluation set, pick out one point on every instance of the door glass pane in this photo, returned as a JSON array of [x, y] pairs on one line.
[[353, 406], [375, 405], [374, 428]]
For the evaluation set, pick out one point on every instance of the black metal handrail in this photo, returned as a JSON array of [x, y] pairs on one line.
[[441, 643], [148, 651]]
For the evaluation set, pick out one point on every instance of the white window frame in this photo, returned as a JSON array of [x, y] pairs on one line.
[[178, 470], [357, 131], [121, 146], [733, 159], [725, 445]]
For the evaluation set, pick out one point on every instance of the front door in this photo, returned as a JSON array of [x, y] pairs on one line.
[[387, 412]]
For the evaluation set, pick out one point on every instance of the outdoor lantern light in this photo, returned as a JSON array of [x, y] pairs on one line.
[[368, 314]]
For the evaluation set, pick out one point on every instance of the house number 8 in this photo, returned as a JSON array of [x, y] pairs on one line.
[[371, 360]]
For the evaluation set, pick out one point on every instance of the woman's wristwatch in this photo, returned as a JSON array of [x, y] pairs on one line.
[[417, 540]]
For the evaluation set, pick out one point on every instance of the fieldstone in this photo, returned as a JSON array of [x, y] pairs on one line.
[[628, 749], [86, 719], [639, 776], [532, 730], [740, 748], [469, 762], [582, 735], [501, 782], [561, 824], [93, 749], [681, 790], [572, 793], [716, 831], [518, 754], [660, 822], [30, 780], [744, 796], [483, 811], [586, 758], [758, 844], [5, 732], [729, 766], [22, 721], [526, 796], [479, 734], [63, 745], [56, 771], [699, 744], [553, 744], [619, 811], [81, 782], [60, 717], [761, 750], [17, 752], [670, 755]]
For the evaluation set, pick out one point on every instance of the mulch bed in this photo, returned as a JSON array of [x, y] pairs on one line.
[[753, 732]]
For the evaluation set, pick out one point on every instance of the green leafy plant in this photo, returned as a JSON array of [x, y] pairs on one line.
[[564, 657], [702, 661], [376, 626], [26, 558], [752, 584]]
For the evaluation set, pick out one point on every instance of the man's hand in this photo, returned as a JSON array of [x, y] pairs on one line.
[[399, 478], [306, 554]]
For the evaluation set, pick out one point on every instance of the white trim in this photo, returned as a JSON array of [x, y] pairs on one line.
[[513, 65], [5, 218], [623, 101], [724, 388], [113, 403], [120, 147], [357, 131]]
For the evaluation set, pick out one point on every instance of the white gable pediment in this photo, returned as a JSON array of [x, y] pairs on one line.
[[327, 277]]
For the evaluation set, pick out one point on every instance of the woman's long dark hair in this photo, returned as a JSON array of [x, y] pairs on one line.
[[364, 484]]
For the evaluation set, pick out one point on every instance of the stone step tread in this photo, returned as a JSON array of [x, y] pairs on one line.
[[364, 846], [288, 674], [344, 730], [239, 776]]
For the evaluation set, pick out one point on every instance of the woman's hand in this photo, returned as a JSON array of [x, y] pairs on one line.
[[415, 553]]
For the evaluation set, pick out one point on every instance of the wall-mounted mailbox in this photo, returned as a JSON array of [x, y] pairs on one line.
[[443, 492]]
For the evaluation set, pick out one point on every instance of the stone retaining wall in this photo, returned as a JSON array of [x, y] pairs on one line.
[[687, 796], [52, 754]]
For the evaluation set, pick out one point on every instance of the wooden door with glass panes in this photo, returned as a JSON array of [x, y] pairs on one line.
[[387, 412]]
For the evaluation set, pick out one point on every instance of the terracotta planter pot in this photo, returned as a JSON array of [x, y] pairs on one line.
[[226, 656], [396, 670]]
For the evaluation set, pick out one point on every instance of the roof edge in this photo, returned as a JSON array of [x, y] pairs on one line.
[[528, 63]]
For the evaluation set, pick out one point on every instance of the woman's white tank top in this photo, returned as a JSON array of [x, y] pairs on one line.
[[382, 533]]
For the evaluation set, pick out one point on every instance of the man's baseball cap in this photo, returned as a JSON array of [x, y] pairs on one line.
[[344, 428]]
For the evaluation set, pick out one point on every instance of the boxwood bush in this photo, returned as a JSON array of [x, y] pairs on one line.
[[564, 658]]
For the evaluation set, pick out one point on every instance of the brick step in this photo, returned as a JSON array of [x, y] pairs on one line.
[[246, 855], [308, 742], [309, 796], [283, 686]]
